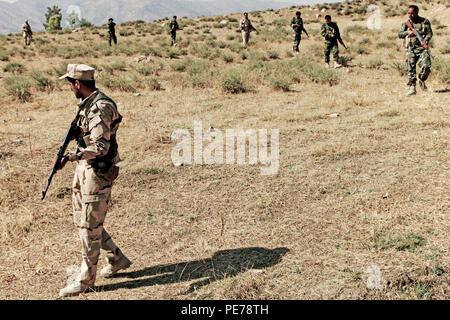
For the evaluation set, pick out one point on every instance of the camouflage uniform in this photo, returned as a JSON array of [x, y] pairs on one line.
[[96, 156], [94, 176], [246, 28], [415, 53], [298, 32], [173, 27], [27, 33], [331, 43]]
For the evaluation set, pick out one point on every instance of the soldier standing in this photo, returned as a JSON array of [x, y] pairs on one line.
[[112, 31], [246, 28], [173, 27], [27, 33], [297, 25], [330, 32], [96, 157], [417, 52]]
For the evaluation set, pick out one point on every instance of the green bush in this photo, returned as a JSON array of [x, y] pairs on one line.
[[14, 67], [232, 82], [154, 84], [375, 63], [147, 70], [200, 74], [42, 82], [441, 67], [116, 83], [227, 57], [279, 82], [18, 87]]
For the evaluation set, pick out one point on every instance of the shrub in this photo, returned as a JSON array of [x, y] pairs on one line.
[[375, 63], [442, 69], [232, 82], [154, 84], [147, 70], [18, 87], [14, 68], [181, 65], [280, 82], [42, 82], [228, 58], [116, 83]]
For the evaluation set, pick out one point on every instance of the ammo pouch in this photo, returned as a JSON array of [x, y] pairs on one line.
[[103, 164]]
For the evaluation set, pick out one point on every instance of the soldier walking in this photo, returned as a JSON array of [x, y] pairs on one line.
[[112, 31], [297, 25], [173, 27], [96, 156], [27, 33], [330, 31], [417, 52], [246, 28]]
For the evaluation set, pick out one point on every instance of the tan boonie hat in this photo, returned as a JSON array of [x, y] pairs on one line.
[[79, 72]]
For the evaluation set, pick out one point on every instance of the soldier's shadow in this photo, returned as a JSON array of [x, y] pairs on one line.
[[223, 264]]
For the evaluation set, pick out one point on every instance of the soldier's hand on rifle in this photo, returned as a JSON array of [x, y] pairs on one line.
[[62, 163]]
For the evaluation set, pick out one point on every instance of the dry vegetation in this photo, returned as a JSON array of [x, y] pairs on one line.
[[367, 187]]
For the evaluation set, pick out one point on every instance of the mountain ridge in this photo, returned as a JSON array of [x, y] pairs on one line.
[[12, 15]]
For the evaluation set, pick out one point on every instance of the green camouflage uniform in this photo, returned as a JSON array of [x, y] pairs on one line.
[[331, 43], [415, 53], [298, 32], [173, 27], [95, 172]]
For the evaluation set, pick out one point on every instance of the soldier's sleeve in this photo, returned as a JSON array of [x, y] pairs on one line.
[[403, 31], [428, 32], [323, 32], [292, 23], [338, 33], [100, 118]]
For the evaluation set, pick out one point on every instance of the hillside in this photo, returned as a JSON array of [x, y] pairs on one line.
[[362, 182], [12, 15]]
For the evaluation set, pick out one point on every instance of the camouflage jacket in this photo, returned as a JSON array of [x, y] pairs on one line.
[[423, 27], [246, 25], [298, 21], [99, 121], [328, 30]]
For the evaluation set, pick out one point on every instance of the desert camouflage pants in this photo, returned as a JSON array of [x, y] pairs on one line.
[[331, 47], [423, 60], [245, 38], [297, 39], [91, 193]]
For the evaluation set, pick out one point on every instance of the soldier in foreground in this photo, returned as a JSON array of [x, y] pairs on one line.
[[96, 157], [27, 33], [173, 27], [112, 31], [246, 27], [417, 50], [297, 25], [330, 32]]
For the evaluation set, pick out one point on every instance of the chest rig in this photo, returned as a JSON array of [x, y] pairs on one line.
[[104, 163]]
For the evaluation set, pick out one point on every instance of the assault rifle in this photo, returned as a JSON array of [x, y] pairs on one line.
[[423, 43], [71, 131]]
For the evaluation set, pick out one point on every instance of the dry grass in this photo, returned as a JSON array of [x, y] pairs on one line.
[[367, 187]]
